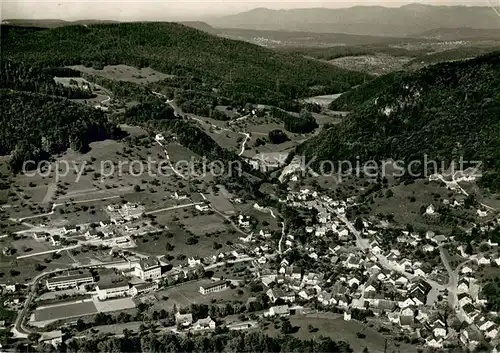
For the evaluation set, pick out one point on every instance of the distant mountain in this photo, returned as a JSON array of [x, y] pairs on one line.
[[51, 23], [202, 26], [443, 112], [364, 20]]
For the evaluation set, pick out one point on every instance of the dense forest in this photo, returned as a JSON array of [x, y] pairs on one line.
[[220, 341], [359, 95], [240, 71], [302, 124], [20, 77], [443, 111], [35, 126]]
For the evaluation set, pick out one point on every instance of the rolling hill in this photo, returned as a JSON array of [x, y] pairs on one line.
[[442, 111], [364, 20], [238, 70]]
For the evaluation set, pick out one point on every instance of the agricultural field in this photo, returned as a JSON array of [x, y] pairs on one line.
[[14, 270], [127, 73], [334, 326], [378, 64]]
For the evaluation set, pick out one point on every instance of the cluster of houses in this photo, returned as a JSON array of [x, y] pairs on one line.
[[382, 277]]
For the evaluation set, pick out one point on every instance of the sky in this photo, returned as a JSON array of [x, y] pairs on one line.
[[135, 10]]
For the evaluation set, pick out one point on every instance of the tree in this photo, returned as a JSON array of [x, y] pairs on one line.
[[34, 337], [286, 327]]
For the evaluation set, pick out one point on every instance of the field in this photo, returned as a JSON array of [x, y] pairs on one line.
[[127, 73], [379, 64], [186, 294], [204, 224], [340, 330], [13, 270], [177, 238]]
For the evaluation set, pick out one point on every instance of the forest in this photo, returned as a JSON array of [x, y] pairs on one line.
[[241, 71], [444, 112], [35, 126]]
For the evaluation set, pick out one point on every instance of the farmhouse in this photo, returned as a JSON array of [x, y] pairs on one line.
[[69, 281], [213, 287]]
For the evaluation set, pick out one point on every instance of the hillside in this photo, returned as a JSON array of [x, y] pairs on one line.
[[442, 111], [35, 126], [238, 70], [364, 20]]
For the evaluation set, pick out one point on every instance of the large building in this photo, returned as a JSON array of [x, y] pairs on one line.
[[70, 280], [213, 287], [148, 269], [112, 288]]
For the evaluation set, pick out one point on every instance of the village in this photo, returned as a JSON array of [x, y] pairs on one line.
[[347, 268]]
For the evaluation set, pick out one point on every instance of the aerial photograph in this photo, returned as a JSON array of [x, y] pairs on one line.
[[250, 176]]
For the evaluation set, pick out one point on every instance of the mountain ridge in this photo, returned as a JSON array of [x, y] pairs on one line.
[[373, 20]]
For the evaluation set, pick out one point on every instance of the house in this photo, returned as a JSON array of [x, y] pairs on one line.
[[70, 280], [439, 329], [194, 261], [204, 324], [183, 320], [470, 338], [326, 298], [406, 321], [293, 272], [353, 281], [430, 210], [483, 261], [278, 293], [463, 285], [485, 325], [141, 288], [491, 332], [148, 269], [53, 337], [307, 293], [114, 287], [279, 310], [312, 279], [213, 287], [70, 229], [464, 298]]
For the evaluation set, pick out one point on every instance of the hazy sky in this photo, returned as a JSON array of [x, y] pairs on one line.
[[127, 10]]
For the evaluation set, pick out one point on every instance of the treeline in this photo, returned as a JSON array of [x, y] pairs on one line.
[[220, 341], [36, 126], [302, 124], [441, 113], [21, 77], [240, 71]]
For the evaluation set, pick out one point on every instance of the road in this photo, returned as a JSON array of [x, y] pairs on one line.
[[169, 161], [19, 330], [174, 208], [178, 111], [280, 250]]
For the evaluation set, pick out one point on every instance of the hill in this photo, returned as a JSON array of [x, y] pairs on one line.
[[240, 71], [442, 111], [364, 20], [51, 23]]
